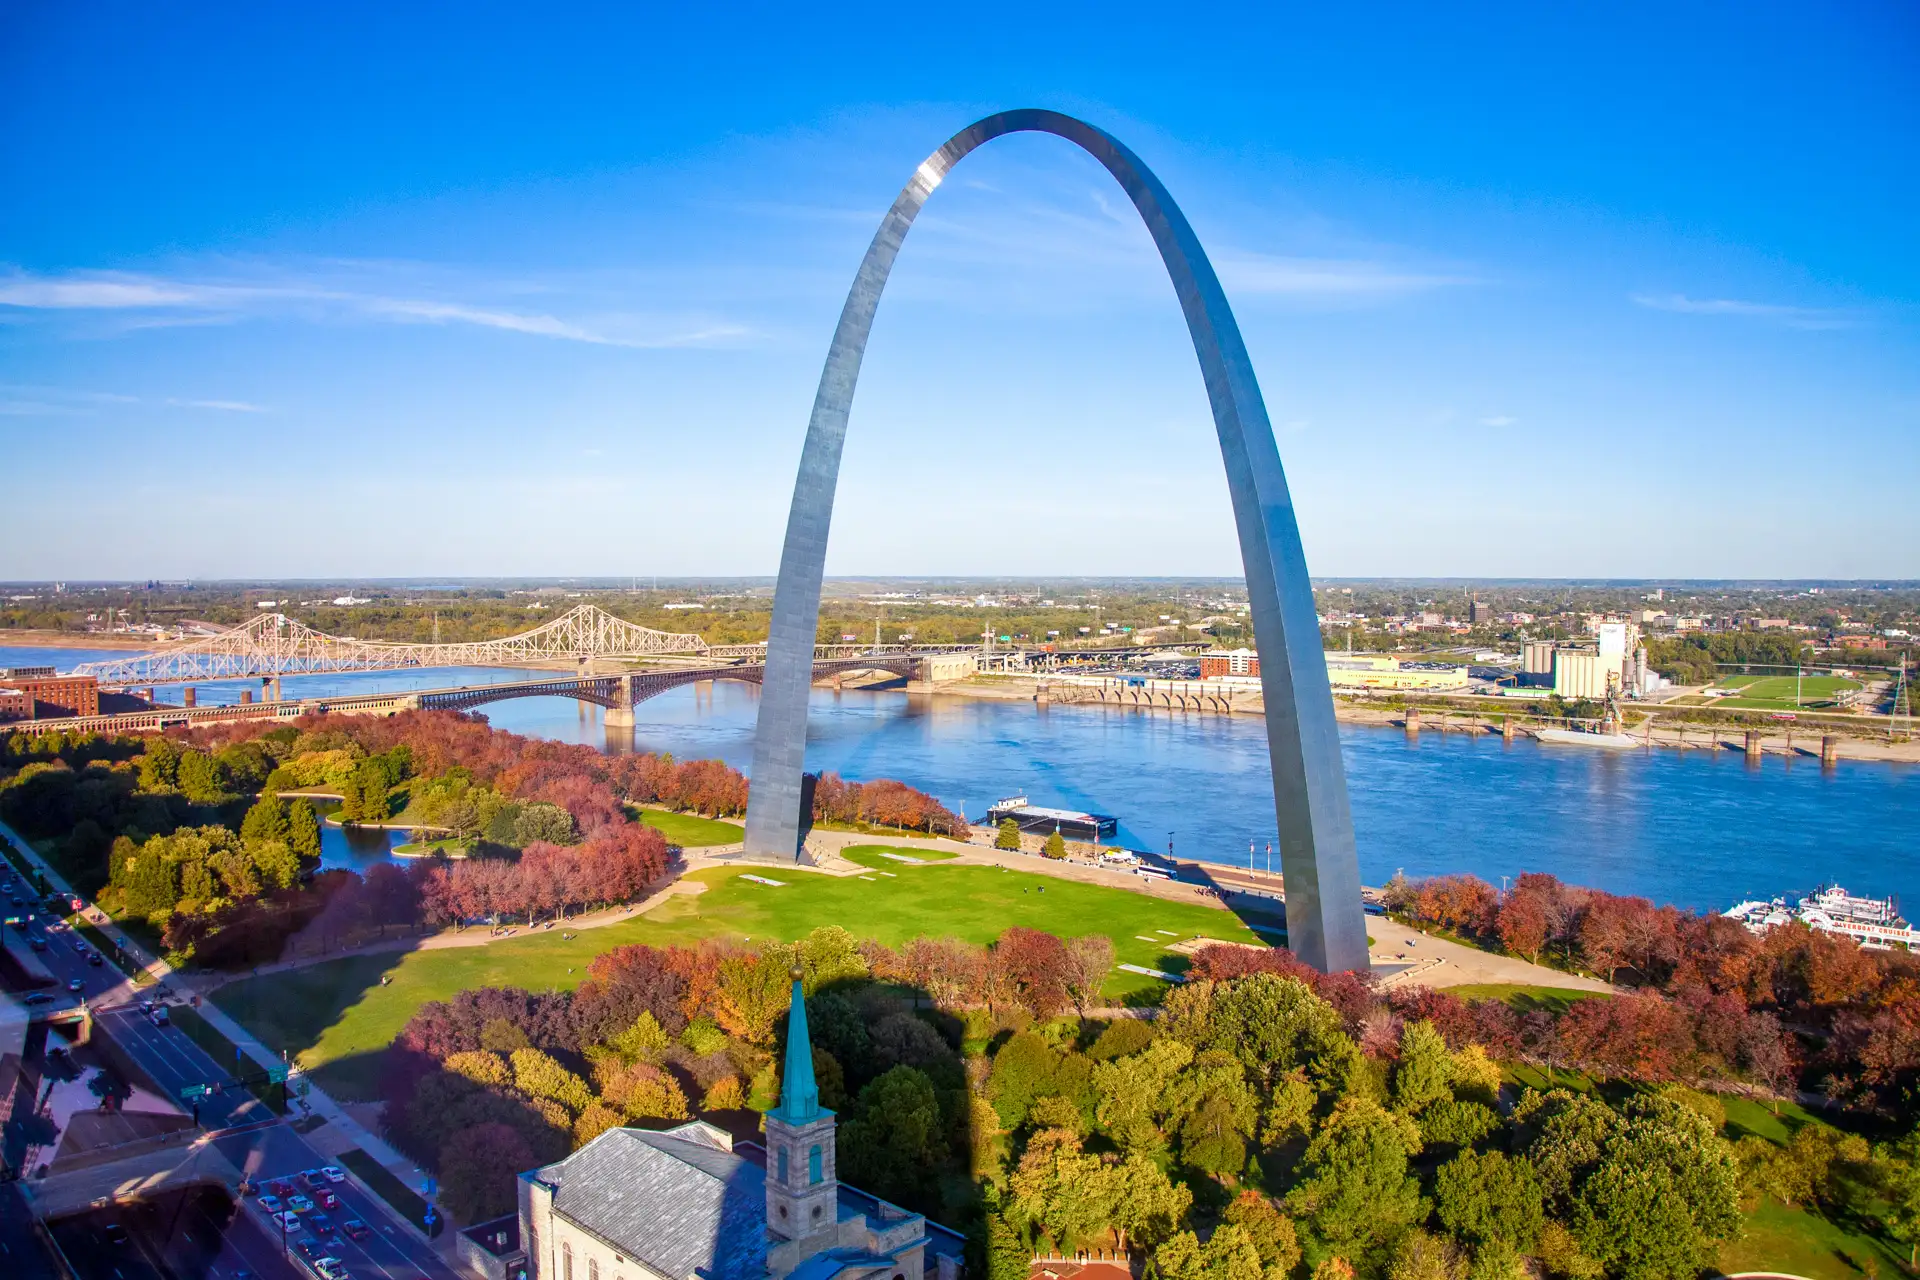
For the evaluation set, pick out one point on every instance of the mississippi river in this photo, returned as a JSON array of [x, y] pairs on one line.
[[1699, 829]]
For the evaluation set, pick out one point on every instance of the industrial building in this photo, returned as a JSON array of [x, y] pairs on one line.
[[42, 693], [1379, 671]]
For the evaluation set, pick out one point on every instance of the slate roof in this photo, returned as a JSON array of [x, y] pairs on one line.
[[674, 1201]]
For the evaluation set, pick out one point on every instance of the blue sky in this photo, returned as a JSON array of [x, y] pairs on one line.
[[471, 289]]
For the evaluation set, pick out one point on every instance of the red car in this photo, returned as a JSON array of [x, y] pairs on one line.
[[280, 1187], [327, 1200]]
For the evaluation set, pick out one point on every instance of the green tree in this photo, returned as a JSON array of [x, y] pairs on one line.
[[1227, 1255], [1423, 1256], [276, 864], [543, 821], [303, 826], [1148, 1205], [1899, 1170], [365, 794], [1022, 1071], [152, 884], [1270, 1231], [266, 820], [895, 1140], [644, 1041], [537, 1075], [1424, 1074], [1218, 1113], [1062, 1191], [1272, 1024], [1056, 847], [201, 778], [1009, 837], [1134, 1094], [160, 766], [1353, 1189], [1491, 1202]]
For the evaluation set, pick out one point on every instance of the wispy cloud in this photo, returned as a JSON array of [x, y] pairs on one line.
[[1331, 278], [225, 406], [1498, 420], [1777, 313], [145, 300]]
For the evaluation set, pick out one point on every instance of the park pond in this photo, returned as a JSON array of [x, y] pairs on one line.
[[1698, 829]]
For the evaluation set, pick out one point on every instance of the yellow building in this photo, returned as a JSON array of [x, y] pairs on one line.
[[1378, 671]]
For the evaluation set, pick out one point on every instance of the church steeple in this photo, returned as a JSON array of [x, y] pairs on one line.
[[799, 1095], [802, 1185]]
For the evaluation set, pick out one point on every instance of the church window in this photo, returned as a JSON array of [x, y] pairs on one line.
[[593, 1269], [783, 1164], [566, 1262], [814, 1173]]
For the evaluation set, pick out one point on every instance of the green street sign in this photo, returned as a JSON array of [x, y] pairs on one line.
[[276, 1075], [192, 1091]]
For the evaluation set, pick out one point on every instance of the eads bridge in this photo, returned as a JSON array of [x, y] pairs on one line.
[[619, 693]]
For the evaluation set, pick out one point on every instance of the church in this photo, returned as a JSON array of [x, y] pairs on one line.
[[691, 1204]]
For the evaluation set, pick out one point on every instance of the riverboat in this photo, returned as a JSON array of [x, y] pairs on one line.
[[1040, 820], [1874, 923]]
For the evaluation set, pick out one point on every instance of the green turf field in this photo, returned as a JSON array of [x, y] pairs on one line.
[[337, 1017], [690, 830], [874, 856], [1524, 998], [1776, 693]]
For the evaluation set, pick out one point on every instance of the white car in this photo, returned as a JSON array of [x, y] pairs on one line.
[[332, 1173], [286, 1220]]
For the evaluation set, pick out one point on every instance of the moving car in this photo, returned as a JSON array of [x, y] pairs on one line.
[[326, 1199], [310, 1248], [300, 1204], [332, 1173], [287, 1221], [272, 1204], [39, 997], [77, 986], [319, 1223], [354, 1229], [332, 1269], [115, 1233], [93, 958]]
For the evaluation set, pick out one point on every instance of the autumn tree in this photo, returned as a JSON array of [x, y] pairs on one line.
[[477, 1170]]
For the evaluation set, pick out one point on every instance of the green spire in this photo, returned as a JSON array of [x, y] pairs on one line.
[[799, 1095]]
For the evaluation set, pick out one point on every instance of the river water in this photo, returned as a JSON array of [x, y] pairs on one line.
[[1699, 829]]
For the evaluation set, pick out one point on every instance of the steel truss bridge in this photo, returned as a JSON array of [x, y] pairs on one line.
[[276, 645]]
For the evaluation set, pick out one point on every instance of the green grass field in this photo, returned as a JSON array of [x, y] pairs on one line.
[[874, 856], [1525, 998], [336, 1017], [1777, 693], [690, 830]]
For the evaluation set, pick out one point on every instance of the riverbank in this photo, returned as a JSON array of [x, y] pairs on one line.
[[79, 640], [1852, 742]]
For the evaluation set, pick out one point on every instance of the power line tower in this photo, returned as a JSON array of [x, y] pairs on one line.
[[1900, 714]]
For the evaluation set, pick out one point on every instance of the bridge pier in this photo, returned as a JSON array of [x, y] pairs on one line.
[[620, 714]]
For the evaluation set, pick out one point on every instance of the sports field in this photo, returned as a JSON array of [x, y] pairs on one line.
[[876, 856], [1777, 693], [337, 1018]]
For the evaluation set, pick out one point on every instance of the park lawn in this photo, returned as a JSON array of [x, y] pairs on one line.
[[1778, 693], [450, 846], [336, 1018], [1523, 997], [690, 830], [874, 856], [1801, 1242]]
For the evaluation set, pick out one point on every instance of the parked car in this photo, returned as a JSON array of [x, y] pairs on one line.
[[37, 998], [332, 1173], [354, 1229]]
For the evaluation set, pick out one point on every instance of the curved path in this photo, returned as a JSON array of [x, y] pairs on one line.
[[1309, 779]]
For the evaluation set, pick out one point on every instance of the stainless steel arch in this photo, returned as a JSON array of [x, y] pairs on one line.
[[1324, 921]]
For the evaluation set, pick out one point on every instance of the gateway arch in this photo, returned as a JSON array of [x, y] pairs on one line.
[[1324, 920]]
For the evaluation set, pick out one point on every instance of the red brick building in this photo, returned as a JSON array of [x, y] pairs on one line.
[[1235, 662], [51, 696]]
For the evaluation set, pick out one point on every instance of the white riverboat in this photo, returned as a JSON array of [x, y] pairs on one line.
[[1872, 922]]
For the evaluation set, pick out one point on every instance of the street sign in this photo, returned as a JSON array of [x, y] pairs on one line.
[[192, 1091], [276, 1075]]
